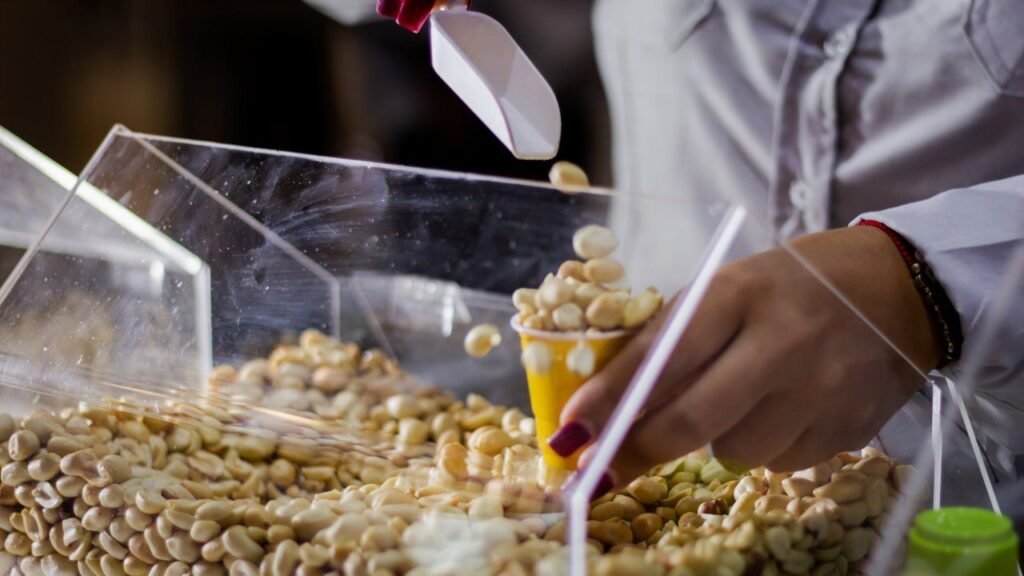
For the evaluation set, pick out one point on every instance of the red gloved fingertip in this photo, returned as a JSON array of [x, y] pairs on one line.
[[415, 13], [389, 8]]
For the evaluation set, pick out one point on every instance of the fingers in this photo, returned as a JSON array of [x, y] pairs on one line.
[[715, 323], [807, 450], [819, 443], [727, 393], [593, 403], [410, 14], [765, 434]]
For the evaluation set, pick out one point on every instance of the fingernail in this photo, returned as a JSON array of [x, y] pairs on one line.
[[603, 486], [569, 438]]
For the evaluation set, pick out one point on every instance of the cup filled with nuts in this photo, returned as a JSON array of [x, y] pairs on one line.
[[572, 325]]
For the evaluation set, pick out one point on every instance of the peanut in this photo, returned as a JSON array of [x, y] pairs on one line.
[[44, 467], [648, 489], [605, 311], [481, 339], [568, 317], [553, 293], [603, 270], [402, 406], [841, 490], [586, 293], [571, 269], [646, 525], [853, 513], [568, 177], [873, 466], [819, 473], [525, 300], [594, 241], [22, 445], [489, 440], [856, 543], [776, 540], [798, 487], [641, 308]]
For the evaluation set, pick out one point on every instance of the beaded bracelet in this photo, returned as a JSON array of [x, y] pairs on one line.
[[935, 298]]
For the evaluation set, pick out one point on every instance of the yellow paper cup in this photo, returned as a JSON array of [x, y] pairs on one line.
[[551, 391]]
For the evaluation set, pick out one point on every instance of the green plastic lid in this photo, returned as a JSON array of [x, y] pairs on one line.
[[962, 542]]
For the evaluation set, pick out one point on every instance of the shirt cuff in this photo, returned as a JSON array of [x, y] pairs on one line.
[[969, 237]]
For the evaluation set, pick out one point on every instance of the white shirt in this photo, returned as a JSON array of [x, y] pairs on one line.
[[814, 114]]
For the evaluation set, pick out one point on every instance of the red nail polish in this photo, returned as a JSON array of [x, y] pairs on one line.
[[603, 486], [569, 438]]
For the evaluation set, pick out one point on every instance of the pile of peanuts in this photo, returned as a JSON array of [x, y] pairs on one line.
[[324, 459], [580, 297]]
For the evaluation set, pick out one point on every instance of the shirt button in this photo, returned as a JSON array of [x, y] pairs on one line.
[[799, 194], [837, 43]]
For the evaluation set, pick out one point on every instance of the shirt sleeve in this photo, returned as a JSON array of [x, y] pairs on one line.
[[973, 240]]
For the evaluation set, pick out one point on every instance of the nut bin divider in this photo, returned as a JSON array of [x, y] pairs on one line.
[[33, 248], [137, 227], [429, 172], [577, 496], [372, 322], [275, 239], [95, 198]]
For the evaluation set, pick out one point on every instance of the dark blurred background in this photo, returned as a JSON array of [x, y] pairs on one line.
[[279, 74]]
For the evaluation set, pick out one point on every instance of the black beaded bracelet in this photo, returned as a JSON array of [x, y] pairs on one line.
[[939, 306]]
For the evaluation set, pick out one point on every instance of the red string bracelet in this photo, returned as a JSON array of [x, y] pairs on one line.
[[939, 306]]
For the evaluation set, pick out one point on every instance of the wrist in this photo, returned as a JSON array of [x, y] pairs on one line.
[[868, 273], [943, 319]]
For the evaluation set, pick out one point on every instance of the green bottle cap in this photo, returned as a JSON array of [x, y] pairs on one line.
[[962, 542]]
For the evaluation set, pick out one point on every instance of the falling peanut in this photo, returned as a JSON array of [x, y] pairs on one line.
[[568, 177], [481, 339]]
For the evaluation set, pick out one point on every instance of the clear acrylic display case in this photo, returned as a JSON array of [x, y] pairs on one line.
[[76, 250], [170, 257], [33, 189]]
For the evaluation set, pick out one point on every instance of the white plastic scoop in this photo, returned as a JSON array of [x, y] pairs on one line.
[[480, 61]]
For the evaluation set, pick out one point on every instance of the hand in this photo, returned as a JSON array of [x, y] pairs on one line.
[[773, 369], [411, 14]]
